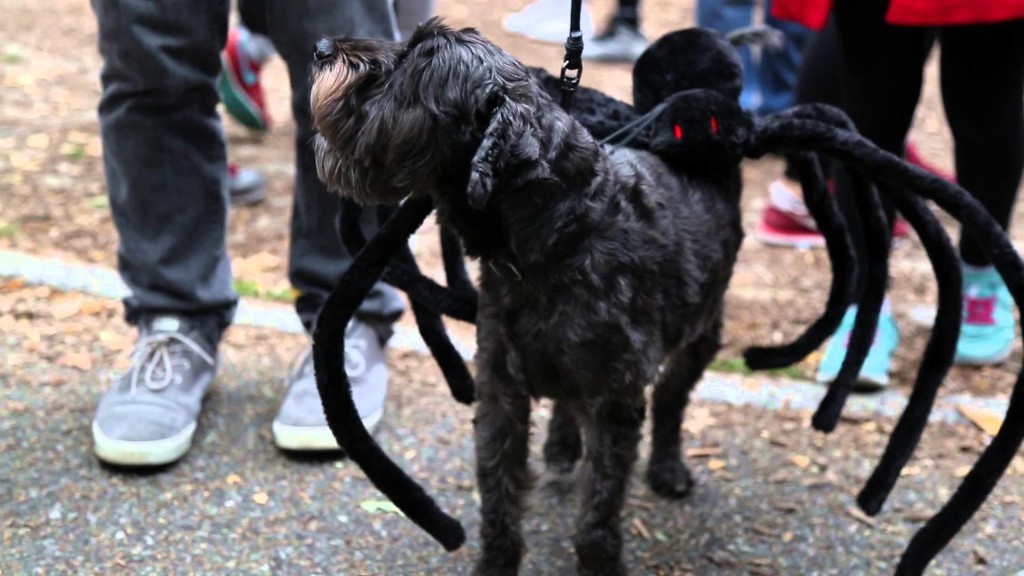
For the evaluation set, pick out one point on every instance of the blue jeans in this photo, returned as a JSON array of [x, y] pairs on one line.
[[769, 81], [165, 161]]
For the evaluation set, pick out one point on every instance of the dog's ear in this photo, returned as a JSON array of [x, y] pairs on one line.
[[507, 127]]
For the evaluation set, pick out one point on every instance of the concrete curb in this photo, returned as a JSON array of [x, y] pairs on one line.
[[732, 389]]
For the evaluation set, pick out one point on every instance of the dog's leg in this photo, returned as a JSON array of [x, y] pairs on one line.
[[613, 430], [501, 428], [564, 445], [666, 472]]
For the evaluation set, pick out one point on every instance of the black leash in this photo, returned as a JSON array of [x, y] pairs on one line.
[[572, 66]]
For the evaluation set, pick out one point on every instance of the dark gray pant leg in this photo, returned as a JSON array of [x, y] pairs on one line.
[[164, 157], [317, 256]]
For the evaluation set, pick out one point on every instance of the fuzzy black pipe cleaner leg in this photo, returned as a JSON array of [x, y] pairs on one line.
[[938, 354], [830, 222], [941, 348], [407, 278], [426, 306], [431, 327], [336, 391], [877, 238], [990, 467], [455, 265]]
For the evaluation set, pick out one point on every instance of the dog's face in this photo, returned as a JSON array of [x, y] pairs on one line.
[[396, 119]]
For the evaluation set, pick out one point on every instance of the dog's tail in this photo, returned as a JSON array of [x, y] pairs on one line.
[[336, 391]]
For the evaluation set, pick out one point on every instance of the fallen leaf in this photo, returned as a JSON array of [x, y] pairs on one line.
[[113, 341], [79, 360], [641, 529], [800, 460], [980, 556], [787, 537], [380, 506], [716, 464], [261, 498], [92, 307], [233, 479], [39, 141], [64, 308], [858, 515], [917, 516], [703, 452], [986, 420]]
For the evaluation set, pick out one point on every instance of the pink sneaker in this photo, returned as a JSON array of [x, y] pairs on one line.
[[914, 157], [786, 222]]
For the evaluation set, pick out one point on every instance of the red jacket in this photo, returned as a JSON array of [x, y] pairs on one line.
[[813, 13]]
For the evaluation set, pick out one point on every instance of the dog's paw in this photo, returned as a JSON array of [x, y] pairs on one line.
[[669, 478]]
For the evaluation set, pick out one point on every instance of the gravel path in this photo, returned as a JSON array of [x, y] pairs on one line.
[[773, 496]]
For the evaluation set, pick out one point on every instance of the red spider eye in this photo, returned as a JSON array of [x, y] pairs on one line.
[[678, 131], [714, 125]]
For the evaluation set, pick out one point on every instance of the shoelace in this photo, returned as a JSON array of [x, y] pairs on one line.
[[355, 358], [153, 352], [980, 311]]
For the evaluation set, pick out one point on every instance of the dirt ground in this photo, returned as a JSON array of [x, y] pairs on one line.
[[53, 198]]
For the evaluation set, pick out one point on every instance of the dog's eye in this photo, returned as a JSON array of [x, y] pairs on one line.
[[677, 130]]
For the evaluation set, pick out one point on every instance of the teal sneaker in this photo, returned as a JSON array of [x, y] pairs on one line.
[[988, 329], [874, 374]]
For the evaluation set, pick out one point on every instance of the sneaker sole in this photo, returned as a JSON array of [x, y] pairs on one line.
[[863, 383], [143, 452], [766, 236], [314, 438], [997, 359], [249, 197]]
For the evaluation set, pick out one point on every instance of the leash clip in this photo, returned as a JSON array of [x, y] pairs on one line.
[[572, 67]]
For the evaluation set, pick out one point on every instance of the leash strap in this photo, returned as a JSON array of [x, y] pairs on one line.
[[572, 66]]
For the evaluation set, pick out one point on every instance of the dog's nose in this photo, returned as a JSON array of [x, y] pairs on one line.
[[324, 50]]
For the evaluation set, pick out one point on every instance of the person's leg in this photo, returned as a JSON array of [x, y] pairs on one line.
[[166, 170], [621, 40], [982, 88], [253, 15], [779, 69], [785, 221], [164, 156], [412, 13], [726, 16], [882, 71], [881, 78], [317, 257]]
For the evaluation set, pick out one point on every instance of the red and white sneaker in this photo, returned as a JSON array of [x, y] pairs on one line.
[[786, 221], [239, 83], [913, 156]]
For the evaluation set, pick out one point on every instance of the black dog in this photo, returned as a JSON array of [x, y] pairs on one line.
[[602, 263]]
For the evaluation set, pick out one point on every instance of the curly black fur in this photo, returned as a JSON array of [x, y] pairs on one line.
[[599, 264], [558, 219]]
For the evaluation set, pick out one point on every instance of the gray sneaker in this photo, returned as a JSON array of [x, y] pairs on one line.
[[246, 186], [620, 43], [300, 423], [149, 417]]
